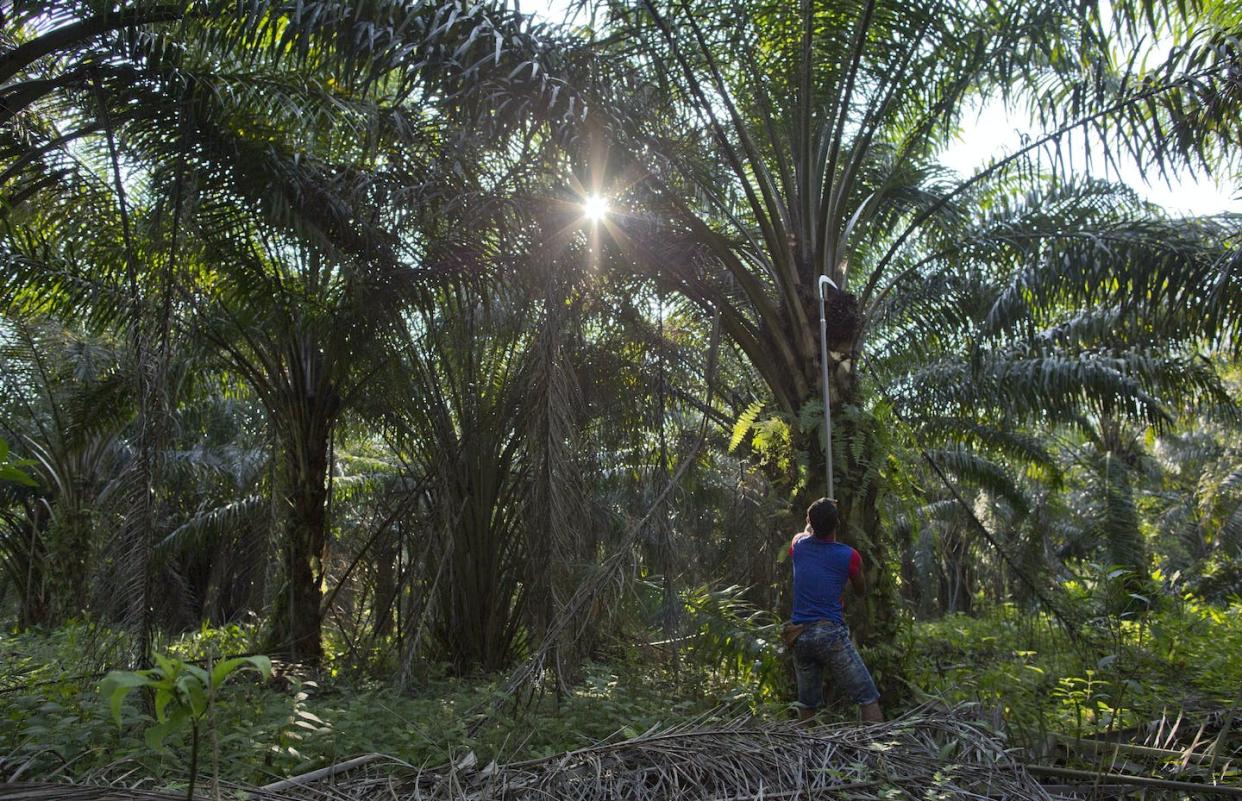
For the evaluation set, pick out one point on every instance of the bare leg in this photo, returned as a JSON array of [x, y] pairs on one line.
[[871, 712]]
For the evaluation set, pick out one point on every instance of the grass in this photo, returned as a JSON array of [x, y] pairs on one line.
[[1120, 672], [53, 719]]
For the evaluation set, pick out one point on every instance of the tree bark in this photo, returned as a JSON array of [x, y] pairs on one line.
[[959, 595], [305, 548], [35, 605], [296, 620], [385, 585]]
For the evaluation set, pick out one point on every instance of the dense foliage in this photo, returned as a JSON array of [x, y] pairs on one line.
[[308, 350], [1014, 666]]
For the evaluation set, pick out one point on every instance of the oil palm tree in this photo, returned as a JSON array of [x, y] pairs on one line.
[[1195, 508], [800, 140], [64, 401], [266, 167]]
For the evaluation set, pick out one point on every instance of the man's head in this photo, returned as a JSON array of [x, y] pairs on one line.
[[823, 517]]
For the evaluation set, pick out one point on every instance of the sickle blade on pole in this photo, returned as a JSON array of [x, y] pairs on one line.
[[824, 283]]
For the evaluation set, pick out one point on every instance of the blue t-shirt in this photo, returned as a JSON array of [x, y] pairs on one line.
[[821, 571]]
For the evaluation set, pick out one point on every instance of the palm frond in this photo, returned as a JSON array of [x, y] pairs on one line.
[[214, 524], [984, 473]]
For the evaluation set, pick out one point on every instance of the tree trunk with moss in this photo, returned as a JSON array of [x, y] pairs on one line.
[[311, 415], [858, 458]]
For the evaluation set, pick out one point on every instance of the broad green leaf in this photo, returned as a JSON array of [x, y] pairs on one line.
[[118, 684], [224, 669], [167, 665], [194, 692], [163, 697], [198, 673], [157, 734]]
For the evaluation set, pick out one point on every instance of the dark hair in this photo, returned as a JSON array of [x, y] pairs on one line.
[[824, 517]]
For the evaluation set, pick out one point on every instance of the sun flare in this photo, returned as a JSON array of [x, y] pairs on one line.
[[595, 208]]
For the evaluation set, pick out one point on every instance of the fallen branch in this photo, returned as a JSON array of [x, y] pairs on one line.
[[322, 773], [1091, 777], [1097, 747]]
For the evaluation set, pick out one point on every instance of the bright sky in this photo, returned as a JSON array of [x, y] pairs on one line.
[[994, 132]]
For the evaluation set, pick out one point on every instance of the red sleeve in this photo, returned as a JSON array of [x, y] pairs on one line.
[[799, 536], [855, 564]]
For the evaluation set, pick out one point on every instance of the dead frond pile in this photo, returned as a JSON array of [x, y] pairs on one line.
[[923, 755], [942, 755]]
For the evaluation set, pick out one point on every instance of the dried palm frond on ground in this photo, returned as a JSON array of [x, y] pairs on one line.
[[81, 792], [921, 755]]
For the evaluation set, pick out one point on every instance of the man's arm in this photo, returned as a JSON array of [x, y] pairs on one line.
[[856, 575]]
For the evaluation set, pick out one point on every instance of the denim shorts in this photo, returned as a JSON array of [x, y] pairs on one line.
[[828, 645]]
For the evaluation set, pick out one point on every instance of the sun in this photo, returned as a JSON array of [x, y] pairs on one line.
[[595, 208]]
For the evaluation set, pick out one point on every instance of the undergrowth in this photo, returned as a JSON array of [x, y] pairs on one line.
[[54, 721], [1114, 674], [1117, 671]]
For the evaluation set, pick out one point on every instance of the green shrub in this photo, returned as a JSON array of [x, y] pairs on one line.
[[1119, 673]]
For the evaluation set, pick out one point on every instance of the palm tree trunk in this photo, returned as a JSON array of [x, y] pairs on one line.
[[34, 606], [857, 449], [386, 585], [296, 619], [139, 522], [306, 546], [959, 593]]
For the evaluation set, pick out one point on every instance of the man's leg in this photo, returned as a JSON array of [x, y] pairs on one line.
[[848, 669], [810, 674]]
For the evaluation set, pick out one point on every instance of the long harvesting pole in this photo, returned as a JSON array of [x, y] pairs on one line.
[[824, 283]]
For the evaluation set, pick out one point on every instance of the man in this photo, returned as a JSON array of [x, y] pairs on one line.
[[817, 630]]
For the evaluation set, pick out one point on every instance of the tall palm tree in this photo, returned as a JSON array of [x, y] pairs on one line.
[[267, 168], [800, 140], [1195, 508], [64, 401]]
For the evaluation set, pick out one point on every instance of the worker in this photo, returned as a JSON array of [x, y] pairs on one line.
[[817, 633]]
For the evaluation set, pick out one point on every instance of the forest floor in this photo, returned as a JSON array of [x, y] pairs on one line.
[[1156, 696]]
